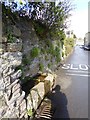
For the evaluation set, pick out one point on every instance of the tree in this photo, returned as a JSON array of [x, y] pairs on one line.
[[47, 13], [74, 36], [54, 18]]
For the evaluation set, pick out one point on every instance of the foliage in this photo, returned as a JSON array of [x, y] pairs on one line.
[[69, 44], [51, 49], [30, 112], [47, 19], [41, 66], [40, 29], [74, 36], [57, 54], [10, 36], [69, 41], [49, 65], [8, 15], [47, 16], [62, 54], [35, 52], [54, 51], [43, 50], [25, 60]]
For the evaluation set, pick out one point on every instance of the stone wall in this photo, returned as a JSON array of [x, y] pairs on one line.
[[19, 59], [13, 100], [36, 53]]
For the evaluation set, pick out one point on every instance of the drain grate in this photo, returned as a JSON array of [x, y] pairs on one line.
[[45, 111]]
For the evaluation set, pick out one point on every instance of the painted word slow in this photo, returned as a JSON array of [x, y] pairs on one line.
[[76, 67]]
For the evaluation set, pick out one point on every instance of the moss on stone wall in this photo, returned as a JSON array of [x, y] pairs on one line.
[[35, 51], [38, 52]]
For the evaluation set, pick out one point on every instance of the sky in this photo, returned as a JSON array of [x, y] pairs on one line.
[[79, 18]]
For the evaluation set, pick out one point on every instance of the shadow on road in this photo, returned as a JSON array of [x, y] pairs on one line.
[[58, 103]]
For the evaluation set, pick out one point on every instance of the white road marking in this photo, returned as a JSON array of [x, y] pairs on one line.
[[86, 72], [66, 66], [73, 68], [83, 75], [83, 68]]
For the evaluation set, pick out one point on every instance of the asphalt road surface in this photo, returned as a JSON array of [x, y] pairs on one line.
[[70, 97]]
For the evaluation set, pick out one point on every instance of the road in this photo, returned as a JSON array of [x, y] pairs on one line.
[[70, 97]]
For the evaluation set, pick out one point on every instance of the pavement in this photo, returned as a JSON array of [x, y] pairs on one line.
[[72, 79], [69, 98]]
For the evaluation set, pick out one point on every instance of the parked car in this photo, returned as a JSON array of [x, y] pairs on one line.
[[87, 47], [87, 41]]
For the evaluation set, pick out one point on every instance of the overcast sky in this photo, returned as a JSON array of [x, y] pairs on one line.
[[79, 19]]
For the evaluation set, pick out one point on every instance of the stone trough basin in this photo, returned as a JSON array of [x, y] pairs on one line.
[[35, 93]]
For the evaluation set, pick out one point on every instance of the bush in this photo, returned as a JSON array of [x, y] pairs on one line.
[[57, 54], [69, 43], [35, 52], [62, 54], [41, 66], [49, 65]]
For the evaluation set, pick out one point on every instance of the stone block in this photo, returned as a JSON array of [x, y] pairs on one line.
[[11, 58], [16, 93], [39, 89], [16, 62], [7, 81], [2, 112], [16, 31], [13, 113], [13, 98], [29, 103], [37, 94], [48, 84], [22, 106], [5, 55], [10, 71], [8, 92], [2, 84], [12, 105], [16, 75], [14, 47], [2, 102], [23, 114], [4, 39], [35, 98], [15, 87], [34, 68], [4, 65], [12, 84], [3, 49], [7, 97], [1, 93], [5, 71], [20, 99]]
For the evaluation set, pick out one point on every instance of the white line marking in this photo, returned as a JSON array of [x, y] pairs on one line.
[[66, 66], [78, 75], [81, 67], [73, 68], [86, 72]]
